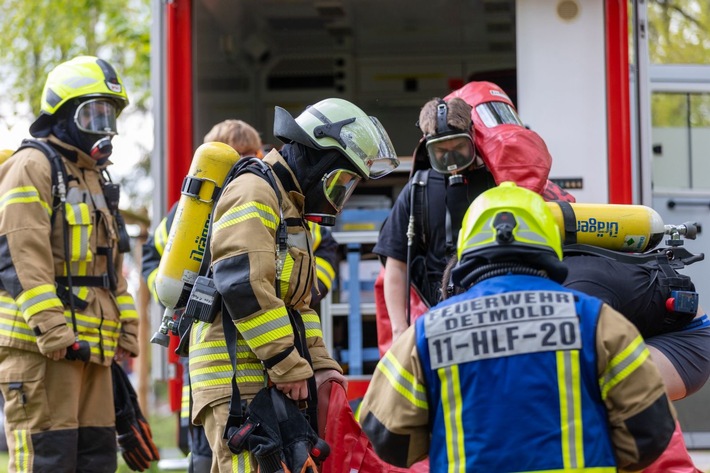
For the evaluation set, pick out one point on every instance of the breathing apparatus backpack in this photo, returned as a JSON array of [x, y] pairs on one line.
[[281, 435]]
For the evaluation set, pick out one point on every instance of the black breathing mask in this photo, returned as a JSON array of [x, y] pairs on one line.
[[327, 179]]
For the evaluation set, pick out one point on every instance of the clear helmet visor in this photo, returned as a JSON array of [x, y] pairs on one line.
[[97, 116], [451, 153], [338, 185], [382, 160]]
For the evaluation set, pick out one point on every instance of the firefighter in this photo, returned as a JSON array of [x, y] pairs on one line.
[[571, 375], [262, 249], [212, 384], [457, 131], [66, 312]]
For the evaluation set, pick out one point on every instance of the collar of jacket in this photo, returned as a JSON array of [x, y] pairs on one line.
[[75, 155], [286, 178]]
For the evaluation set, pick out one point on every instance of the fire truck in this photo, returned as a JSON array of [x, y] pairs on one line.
[[577, 70]]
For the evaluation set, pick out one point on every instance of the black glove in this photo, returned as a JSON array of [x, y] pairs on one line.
[[278, 435], [135, 440]]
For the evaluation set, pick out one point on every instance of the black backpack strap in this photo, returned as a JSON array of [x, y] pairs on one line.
[[59, 172], [569, 220], [420, 207]]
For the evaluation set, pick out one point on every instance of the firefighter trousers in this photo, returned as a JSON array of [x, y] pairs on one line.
[[214, 418], [59, 415]]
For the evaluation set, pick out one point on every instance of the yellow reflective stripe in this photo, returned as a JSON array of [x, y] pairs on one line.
[[266, 327], [594, 469], [570, 398], [23, 195], [79, 219], [453, 422], [209, 351], [325, 272], [210, 376], [37, 299], [623, 364], [241, 462], [286, 273], [79, 268], [250, 373], [151, 284], [312, 324], [82, 292], [403, 381], [160, 238], [92, 323], [316, 233], [127, 307], [22, 451], [198, 334], [185, 402], [248, 211], [243, 350]]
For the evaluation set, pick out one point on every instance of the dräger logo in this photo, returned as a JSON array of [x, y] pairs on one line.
[[599, 227], [498, 93]]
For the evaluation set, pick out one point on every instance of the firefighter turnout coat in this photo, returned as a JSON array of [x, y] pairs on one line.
[[519, 374], [210, 365], [34, 298], [245, 260]]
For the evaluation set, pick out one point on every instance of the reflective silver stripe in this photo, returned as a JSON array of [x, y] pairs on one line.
[[211, 376], [241, 463], [91, 323], [199, 333], [39, 303], [569, 386], [250, 372], [623, 364], [266, 327], [311, 322], [413, 392], [452, 415], [21, 451], [209, 352], [246, 211]]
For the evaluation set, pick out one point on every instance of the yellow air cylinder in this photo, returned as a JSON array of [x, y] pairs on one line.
[[628, 228], [185, 248], [5, 154]]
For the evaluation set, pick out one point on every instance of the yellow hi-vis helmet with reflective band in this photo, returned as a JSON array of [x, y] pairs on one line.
[[508, 220], [81, 77]]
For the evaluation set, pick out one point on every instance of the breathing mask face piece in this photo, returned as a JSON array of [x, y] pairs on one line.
[[325, 202], [450, 153], [96, 121]]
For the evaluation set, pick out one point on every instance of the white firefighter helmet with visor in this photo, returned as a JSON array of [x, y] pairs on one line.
[[338, 124]]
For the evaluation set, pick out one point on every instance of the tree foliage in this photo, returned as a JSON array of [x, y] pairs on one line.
[[679, 31], [37, 35]]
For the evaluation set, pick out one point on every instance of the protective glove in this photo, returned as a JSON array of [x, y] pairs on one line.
[[135, 439], [278, 435]]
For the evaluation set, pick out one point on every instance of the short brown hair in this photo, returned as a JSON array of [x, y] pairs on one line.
[[458, 115], [238, 134]]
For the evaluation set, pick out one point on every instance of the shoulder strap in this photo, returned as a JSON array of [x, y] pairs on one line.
[[420, 206], [59, 172]]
